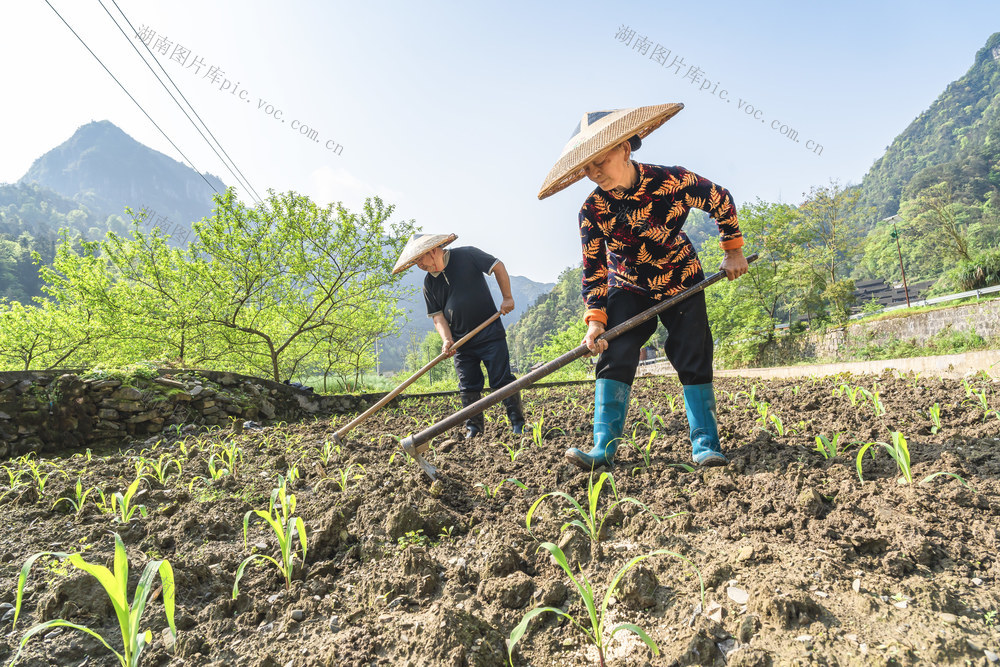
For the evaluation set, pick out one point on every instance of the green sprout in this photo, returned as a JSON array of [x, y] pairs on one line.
[[121, 504], [344, 476], [79, 498], [595, 626], [492, 492], [160, 468], [284, 526], [538, 434], [900, 453], [935, 415], [512, 452], [828, 447], [116, 586], [645, 450], [590, 521], [651, 418]]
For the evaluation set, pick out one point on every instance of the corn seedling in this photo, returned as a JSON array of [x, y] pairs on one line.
[[591, 522], [935, 415], [651, 418], [492, 492], [538, 434], [875, 400], [121, 504], [328, 451], [645, 450], [511, 452], [751, 395], [828, 447], [851, 393], [968, 388], [671, 400], [762, 409], [230, 456], [79, 497], [15, 481], [116, 585], [41, 478], [594, 627], [779, 427], [343, 476], [980, 396], [160, 468], [285, 526], [900, 453]]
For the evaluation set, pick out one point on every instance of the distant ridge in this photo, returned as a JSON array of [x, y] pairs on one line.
[[105, 169]]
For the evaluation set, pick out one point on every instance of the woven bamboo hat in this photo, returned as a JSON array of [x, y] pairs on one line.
[[599, 131], [417, 246]]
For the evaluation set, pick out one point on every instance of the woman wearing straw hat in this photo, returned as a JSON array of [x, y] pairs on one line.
[[458, 300], [634, 254]]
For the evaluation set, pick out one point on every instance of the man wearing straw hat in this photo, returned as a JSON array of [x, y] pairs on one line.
[[635, 254], [458, 300]]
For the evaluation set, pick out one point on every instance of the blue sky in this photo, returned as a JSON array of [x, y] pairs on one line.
[[456, 111]]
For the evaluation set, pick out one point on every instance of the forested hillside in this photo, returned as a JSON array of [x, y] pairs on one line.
[[957, 137], [31, 218]]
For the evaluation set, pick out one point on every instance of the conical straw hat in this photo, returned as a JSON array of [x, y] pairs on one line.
[[599, 131], [417, 246]]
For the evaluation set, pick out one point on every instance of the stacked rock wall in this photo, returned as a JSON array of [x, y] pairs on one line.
[[57, 410]]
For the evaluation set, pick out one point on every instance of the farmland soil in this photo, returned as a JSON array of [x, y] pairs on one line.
[[801, 562]]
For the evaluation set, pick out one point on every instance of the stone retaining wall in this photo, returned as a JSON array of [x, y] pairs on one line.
[[839, 344], [44, 411]]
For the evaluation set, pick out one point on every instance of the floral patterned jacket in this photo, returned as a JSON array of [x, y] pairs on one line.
[[632, 240]]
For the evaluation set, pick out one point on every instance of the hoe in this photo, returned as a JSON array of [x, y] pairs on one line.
[[338, 437], [415, 445]]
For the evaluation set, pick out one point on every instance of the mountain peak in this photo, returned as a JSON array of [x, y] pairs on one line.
[[104, 168]]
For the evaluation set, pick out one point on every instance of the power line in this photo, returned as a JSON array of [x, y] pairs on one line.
[[242, 179], [125, 90]]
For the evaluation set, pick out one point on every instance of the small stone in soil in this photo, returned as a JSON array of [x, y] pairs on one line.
[[991, 656], [949, 618], [298, 614], [856, 585], [737, 595]]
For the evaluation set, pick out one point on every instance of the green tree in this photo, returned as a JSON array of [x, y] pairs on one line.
[[40, 337], [744, 312], [420, 353], [829, 230], [278, 290]]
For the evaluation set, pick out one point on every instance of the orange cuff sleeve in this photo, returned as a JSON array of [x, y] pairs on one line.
[[732, 244], [594, 314]]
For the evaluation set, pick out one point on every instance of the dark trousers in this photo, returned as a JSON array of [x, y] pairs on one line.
[[689, 338], [493, 354]]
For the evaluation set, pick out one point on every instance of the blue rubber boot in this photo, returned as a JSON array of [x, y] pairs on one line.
[[610, 408], [699, 402]]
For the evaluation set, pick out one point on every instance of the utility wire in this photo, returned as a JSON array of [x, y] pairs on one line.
[[125, 90], [242, 179]]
